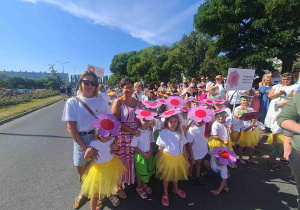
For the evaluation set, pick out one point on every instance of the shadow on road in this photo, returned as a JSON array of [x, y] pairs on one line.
[[46, 136]]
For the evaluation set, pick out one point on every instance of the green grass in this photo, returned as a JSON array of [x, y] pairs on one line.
[[9, 111]]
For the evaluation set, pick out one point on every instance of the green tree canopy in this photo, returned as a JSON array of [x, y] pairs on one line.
[[249, 32]]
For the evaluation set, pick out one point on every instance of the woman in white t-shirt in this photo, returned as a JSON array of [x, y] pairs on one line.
[[79, 122]]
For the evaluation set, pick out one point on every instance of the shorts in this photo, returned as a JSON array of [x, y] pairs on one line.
[[78, 153], [276, 150]]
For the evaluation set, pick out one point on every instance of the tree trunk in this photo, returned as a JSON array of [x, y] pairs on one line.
[[287, 65]]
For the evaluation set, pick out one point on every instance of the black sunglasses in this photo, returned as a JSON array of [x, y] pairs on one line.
[[87, 82]]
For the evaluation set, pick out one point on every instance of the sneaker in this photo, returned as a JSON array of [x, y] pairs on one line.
[[226, 188], [192, 181], [199, 181]]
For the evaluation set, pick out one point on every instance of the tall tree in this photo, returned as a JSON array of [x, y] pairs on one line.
[[249, 32]]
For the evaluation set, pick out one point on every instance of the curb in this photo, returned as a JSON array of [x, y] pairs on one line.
[[26, 113]]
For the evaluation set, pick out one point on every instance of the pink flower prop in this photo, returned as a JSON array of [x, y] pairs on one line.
[[146, 102], [189, 99], [200, 113], [147, 115], [225, 155], [219, 111], [152, 105], [233, 80], [220, 101], [174, 102], [208, 101], [107, 124], [161, 101], [185, 109], [169, 113]]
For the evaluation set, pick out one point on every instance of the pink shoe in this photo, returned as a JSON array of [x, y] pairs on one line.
[[147, 189], [181, 193], [165, 200]]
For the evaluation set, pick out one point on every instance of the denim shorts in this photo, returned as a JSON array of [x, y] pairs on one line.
[[78, 153]]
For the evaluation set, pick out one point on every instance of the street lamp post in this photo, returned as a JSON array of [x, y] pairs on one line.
[[74, 73], [63, 71]]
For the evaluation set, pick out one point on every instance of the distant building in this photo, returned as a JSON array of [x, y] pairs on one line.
[[36, 75]]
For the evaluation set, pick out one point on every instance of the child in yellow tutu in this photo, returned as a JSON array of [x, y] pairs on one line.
[[102, 177], [143, 150], [172, 164], [251, 134], [276, 139]]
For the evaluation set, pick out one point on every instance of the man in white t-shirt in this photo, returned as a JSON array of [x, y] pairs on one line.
[[208, 83]]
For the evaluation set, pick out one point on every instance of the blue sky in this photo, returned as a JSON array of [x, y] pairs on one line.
[[35, 33]]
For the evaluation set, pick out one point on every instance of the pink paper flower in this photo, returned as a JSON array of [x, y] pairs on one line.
[[169, 113], [225, 155], [161, 101], [200, 113], [219, 111], [208, 101], [147, 115], [185, 109], [189, 99], [152, 105], [220, 101], [233, 80], [107, 124], [146, 102], [174, 102]]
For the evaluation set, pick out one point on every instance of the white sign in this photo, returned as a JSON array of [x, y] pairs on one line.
[[97, 70], [239, 79]]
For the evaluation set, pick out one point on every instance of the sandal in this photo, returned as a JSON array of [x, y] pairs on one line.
[[147, 189], [99, 205], [242, 161], [78, 202], [253, 161], [165, 200], [114, 200], [142, 193], [122, 194], [181, 193]]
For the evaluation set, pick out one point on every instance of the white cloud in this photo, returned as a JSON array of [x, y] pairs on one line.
[[154, 21]]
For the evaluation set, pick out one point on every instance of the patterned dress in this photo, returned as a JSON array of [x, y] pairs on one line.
[[125, 153]]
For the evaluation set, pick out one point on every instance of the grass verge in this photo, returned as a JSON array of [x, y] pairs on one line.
[[7, 112]]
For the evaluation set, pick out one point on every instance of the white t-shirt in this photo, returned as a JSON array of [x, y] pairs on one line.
[[288, 89], [208, 84], [218, 129], [171, 142], [196, 136], [75, 111], [103, 150], [161, 88], [184, 122], [221, 91], [238, 124], [143, 141], [138, 95], [236, 97], [104, 96], [218, 169], [228, 112], [158, 125], [275, 128]]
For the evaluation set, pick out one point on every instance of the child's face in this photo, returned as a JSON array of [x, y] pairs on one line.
[[194, 105], [184, 114], [220, 118], [257, 94], [244, 101], [213, 92], [219, 106], [145, 122], [208, 106], [188, 104], [172, 123]]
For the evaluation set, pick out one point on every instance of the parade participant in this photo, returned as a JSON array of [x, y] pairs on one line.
[[255, 102], [172, 163], [138, 94], [220, 158], [143, 150], [250, 135], [264, 89], [192, 92], [124, 109], [102, 177], [79, 121], [184, 119], [198, 148], [213, 94], [202, 93], [280, 94], [220, 85], [102, 93], [276, 139]]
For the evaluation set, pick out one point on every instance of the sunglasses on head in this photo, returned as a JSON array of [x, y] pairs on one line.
[[87, 82]]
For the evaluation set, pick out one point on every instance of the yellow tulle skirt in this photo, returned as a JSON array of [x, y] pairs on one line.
[[234, 140], [250, 139], [279, 138], [102, 180], [212, 143], [169, 168]]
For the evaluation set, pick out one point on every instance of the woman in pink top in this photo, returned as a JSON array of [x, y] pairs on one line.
[[255, 103], [202, 93]]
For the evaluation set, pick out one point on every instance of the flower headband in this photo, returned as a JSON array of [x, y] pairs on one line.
[[161, 101], [175, 102], [189, 99], [208, 101], [220, 101], [170, 113], [145, 114], [200, 113], [225, 155], [151, 105], [218, 111], [107, 124], [184, 109]]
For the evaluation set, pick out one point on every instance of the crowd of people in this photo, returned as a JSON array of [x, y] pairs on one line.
[[181, 131]]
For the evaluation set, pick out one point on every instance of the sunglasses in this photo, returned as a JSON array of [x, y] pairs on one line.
[[87, 82]]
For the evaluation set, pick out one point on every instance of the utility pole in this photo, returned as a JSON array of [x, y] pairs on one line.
[[63, 71]]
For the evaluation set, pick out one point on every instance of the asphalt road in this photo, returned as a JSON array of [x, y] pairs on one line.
[[37, 172]]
